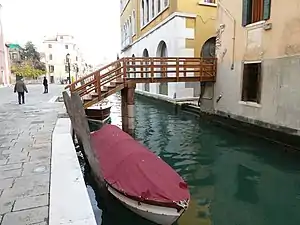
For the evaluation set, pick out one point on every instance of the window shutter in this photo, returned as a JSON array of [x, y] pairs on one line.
[[267, 9], [246, 12]]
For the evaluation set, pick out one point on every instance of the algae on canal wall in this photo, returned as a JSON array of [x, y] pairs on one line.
[[233, 178]]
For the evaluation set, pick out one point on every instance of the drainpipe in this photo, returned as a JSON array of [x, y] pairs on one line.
[[234, 30]]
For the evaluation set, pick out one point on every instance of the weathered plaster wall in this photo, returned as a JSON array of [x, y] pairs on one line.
[[279, 51]]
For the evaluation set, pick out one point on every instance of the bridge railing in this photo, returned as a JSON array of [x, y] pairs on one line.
[[147, 70], [160, 67]]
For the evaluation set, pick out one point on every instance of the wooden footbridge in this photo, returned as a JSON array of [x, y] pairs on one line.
[[123, 75]]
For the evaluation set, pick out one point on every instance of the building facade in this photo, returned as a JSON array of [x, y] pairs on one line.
[[56, 51], [14, 52], [258, 49], [4, 57], [164, 28]]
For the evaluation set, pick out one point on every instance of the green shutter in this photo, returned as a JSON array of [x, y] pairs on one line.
[[267, 9], [246, 12]]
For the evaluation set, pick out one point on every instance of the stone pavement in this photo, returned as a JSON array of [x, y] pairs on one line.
[[25, 151]]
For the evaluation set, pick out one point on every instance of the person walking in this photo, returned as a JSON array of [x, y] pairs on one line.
[[45, 83], [20, 87]]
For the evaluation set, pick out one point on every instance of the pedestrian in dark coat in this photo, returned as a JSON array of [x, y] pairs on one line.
[[45, 83], [21, 88]]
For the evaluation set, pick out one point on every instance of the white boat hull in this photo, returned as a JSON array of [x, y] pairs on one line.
[[157, 214]]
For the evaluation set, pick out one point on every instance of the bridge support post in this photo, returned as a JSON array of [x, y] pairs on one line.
[[127, 109]]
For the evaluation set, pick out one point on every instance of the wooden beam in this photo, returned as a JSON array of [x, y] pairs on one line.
[[80, 125]]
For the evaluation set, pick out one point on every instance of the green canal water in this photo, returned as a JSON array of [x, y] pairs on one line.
[[234, 179]]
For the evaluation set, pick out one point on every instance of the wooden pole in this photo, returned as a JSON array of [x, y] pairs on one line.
[[80, 125]]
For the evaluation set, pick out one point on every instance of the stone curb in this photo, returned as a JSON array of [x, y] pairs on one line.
[[69, 199]]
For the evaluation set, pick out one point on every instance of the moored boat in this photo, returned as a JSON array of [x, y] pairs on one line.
[[138, 178], [99, 111], [95, 125]]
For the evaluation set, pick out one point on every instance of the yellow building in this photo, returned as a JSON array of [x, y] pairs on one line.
[[170, 28], [258, 50]]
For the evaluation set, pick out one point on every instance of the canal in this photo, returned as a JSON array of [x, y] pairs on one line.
[[234, 179]]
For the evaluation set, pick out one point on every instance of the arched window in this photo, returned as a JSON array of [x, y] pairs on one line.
[[152, 8], [130, 27], [124, 32], [158, 6], [143, 13], [133, 22], [166, 3], [147, 11]]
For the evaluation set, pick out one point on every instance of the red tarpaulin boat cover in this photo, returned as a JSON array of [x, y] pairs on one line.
[[132, 169]]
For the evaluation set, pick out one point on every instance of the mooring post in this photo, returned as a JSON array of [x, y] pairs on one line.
[[79, 123], [127, 95]]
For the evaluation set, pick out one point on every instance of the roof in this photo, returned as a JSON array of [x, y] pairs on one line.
[[14, 46]]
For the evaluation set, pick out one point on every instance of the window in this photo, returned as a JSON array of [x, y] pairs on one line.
[[50, 57], [51, 69], [255, 10], [133, 22], [152, 8], [143, 13], [49, 46], [61, 37], [147, 11], [207, 1], [130, 27], [14, 55], [166, 2], [251, 82], [76, 58], [66, 68], [66, 47], [158, 6]]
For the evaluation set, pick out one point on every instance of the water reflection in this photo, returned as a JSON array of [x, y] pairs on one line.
[[233, 178]]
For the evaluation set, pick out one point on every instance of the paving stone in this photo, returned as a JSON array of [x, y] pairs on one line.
[[10, 173], [42, 223], [6, 183], [36, 179], [18, 157], [5, 205], [39, 155], [3, 156], [28, 186], [3, 161], [31, 202], [7, 144], [40, 145], [11, 167], [35, 168], [10, 151], [26, 217]]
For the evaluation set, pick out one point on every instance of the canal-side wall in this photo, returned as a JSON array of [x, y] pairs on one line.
[[279, 107], [69, 200]]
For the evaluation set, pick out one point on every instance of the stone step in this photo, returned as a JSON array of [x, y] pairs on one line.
[[119, 81], [94, 94]]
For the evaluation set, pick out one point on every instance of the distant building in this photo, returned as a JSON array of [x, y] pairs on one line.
[[14, 52], [258, 49], [168, 28], [4, 58], [55, 51]]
